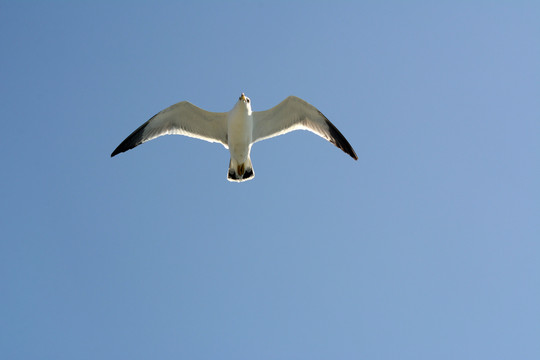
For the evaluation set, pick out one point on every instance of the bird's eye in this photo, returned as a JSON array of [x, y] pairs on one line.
[[248, 101]]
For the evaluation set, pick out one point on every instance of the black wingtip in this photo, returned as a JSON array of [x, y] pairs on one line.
[[339, 140], [121, 148], [133, 140]]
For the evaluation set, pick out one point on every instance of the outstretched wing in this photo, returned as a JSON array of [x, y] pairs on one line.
[[292, 114], [183, 118]]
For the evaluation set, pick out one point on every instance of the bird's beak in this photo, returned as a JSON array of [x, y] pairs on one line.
[[243, 97]]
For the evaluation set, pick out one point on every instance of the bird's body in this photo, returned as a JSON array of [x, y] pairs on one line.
[[240, 136], [238, 129]]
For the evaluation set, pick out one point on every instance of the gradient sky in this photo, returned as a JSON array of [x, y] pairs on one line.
[[427, 247]]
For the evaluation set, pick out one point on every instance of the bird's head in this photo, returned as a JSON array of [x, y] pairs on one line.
[[243, 98], [243, 104]]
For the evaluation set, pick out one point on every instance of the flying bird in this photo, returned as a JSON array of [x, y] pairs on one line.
[[237, 129]]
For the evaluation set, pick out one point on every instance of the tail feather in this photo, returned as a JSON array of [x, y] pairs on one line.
[[240, 172]]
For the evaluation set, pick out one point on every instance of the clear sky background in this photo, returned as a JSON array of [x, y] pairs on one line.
[[427, 247]]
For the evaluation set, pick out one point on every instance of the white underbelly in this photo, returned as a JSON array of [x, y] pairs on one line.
[[240, 130]]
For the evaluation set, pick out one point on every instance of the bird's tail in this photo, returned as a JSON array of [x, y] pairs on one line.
[[240, 172]]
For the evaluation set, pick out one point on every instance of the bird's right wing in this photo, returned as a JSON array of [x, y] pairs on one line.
[[292, 114], [183, 118]]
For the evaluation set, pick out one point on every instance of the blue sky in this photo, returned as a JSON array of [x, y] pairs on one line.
[[427, 247]]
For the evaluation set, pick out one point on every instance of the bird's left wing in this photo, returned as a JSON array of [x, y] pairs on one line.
[[183, 118], [292, 114]]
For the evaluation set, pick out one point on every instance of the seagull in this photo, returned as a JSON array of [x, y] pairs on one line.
[[238, 129]]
